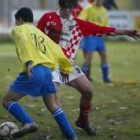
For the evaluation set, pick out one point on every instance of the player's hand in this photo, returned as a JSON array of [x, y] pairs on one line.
[[29, 71], [64, 77], [131, 33]]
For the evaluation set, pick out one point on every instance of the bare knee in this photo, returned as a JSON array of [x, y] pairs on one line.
[[10, 96], [5, 101], [88, 94], [51, 103], [52, 107]]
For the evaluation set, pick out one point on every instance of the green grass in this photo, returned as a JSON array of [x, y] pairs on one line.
[[116, 112]]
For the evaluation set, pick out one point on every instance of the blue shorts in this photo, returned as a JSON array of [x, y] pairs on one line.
[[91, 44], [40, 85]]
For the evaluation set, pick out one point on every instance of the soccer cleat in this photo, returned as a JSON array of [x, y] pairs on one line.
[[87, 128], [27, 128], [108, 81]]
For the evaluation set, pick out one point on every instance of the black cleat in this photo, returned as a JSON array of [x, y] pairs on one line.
[[108, 81], [87, 128], [27, 128]]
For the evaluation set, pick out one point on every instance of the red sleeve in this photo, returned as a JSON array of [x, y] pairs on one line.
[[41, 23], [89, 28]]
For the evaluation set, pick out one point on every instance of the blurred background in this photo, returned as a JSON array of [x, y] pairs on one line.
[[126, 15]]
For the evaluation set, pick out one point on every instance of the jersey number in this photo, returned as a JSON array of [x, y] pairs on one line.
[[78, 70], [39, 42]]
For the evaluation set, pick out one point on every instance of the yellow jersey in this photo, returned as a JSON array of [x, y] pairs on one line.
[[33, 45], [95, 14]]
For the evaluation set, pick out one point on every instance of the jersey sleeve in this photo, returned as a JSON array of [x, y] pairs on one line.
[[65, 65], [21, 43], [88, 28]]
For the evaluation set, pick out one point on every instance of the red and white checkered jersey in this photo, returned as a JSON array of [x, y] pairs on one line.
[[68, 33], [70, 37]]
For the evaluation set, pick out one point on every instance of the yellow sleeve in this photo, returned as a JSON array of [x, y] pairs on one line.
[[22, 45], [65, 65]]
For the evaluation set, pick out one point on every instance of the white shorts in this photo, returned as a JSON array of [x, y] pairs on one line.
[[77, 72]]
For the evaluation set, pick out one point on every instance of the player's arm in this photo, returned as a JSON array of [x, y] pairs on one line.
[[89, 28], [65, 65], [21, 43], [23, 52], [29, 69], [93, 29], [63, 62], [131, 33]]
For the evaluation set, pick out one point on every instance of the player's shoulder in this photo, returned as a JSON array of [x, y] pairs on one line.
[[20, 29], [15, 29], [88, 6], [48, 14]]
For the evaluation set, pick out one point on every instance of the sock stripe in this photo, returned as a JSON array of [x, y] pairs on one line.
[[57, 112], [11, 104]]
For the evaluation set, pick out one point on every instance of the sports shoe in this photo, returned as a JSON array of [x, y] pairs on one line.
[[108, 81], [27, 128], [87, 128]]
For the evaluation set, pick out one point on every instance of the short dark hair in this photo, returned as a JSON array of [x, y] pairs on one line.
[[25, 13], [67, 3]]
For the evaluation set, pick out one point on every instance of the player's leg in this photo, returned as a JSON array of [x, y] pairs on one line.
[[10, 102], [88, 46], [85, 102], [104, 66], [57, 98], [23, 85], [52, 102], [59, 116], [104, 63], [86, 66]]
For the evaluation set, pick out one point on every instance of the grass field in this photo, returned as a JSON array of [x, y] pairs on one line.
[[116, 112]]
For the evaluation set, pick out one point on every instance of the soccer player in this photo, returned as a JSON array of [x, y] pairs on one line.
[[39, 55], [67, 31], [95, 13]]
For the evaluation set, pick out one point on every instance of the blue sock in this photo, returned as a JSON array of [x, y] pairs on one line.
[[85, 69], [63, 123], [105, 72], [19, 113]]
